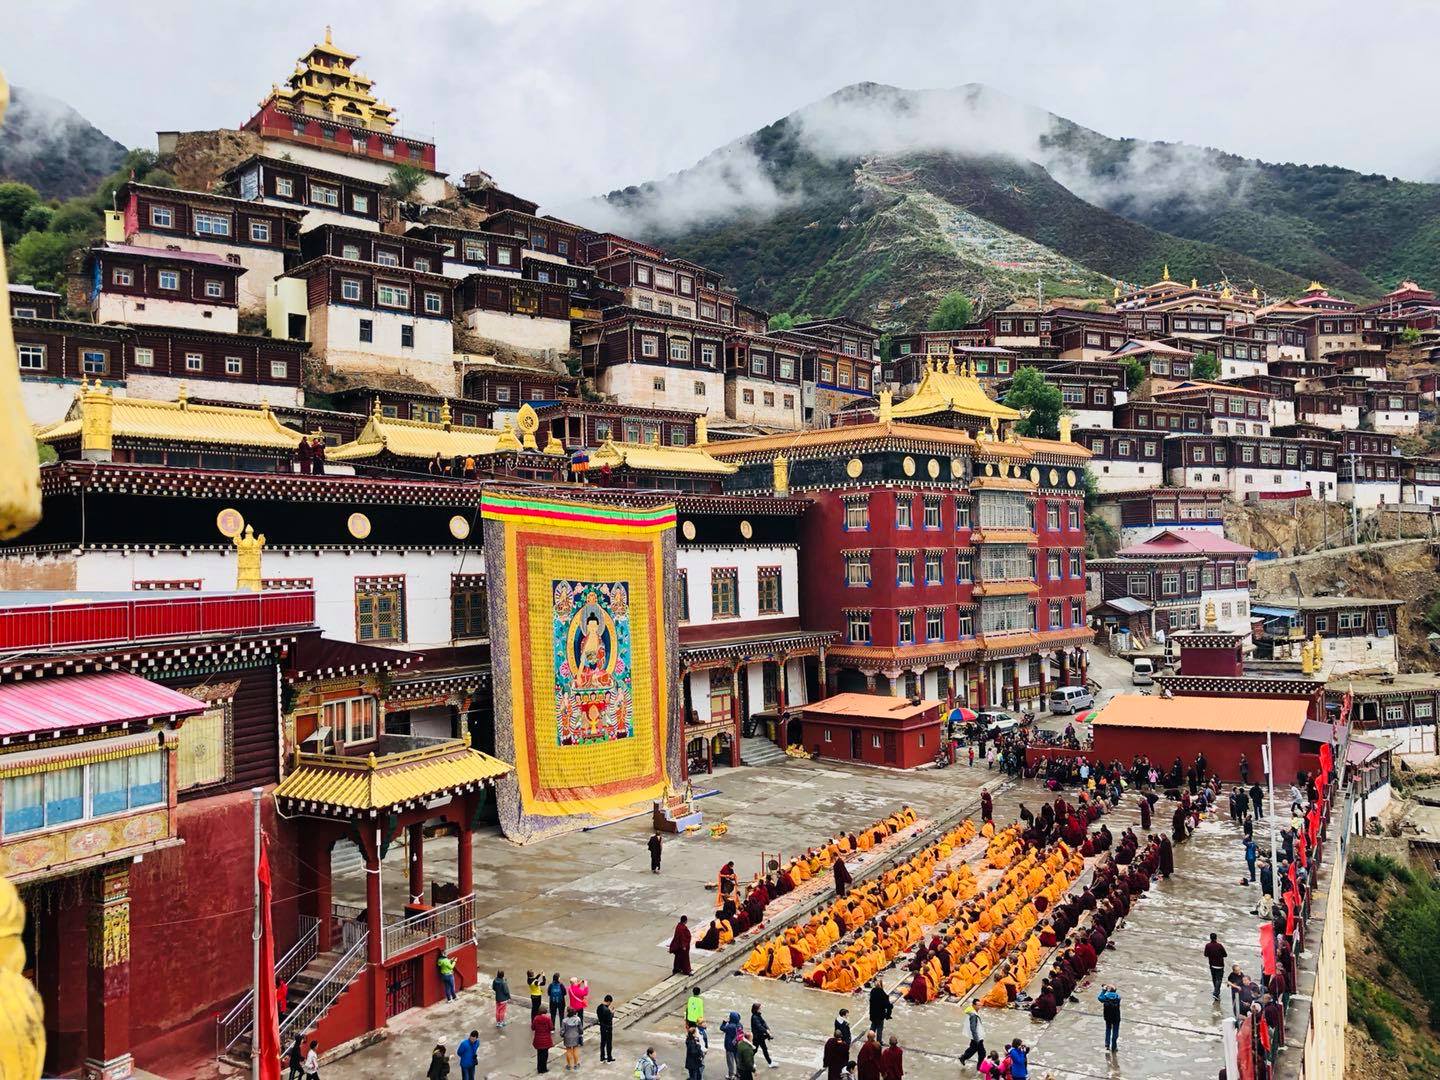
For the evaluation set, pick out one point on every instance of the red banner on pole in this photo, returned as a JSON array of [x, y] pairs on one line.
[[267, 1010], [1267, 948]]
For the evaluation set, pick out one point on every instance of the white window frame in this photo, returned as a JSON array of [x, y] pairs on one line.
[[162, 217], [194, 361], [32, 356], [209, 223], [279, 369], [434, 303], [399, 296], [172, 276], [234, 365], [349, 293], [260, 232]]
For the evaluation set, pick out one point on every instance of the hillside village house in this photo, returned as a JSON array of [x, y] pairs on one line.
[[1357, 633], [1177, 574]]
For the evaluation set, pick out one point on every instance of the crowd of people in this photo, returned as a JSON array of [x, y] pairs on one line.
[[734, 914]]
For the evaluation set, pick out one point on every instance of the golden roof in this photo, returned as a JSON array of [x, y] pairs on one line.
[[353, 784], [323, 83], [653, 457], [951, 387], [420, 439], [96, 408]]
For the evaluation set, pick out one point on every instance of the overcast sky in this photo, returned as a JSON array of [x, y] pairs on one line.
[[559, 99]]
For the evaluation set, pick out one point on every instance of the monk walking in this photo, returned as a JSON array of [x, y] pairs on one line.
[[654, 846], [842, 878], [867, 1062], [680, 947], [892, 1061]]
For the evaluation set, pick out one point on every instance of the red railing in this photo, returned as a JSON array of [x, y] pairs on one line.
[[87, 622]]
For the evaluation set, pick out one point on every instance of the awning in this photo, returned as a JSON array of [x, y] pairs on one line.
[[330, 783], [87, 701], [1127, 605], [1274, 612], [1317, 731]]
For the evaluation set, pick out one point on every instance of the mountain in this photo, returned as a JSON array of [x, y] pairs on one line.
[[48, 145], [876, 201]]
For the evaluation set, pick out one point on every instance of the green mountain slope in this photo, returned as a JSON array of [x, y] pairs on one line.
[[48, 145], [876, 201]]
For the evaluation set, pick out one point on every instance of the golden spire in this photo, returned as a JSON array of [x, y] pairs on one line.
[[375, 407], [328, 39], [1116, 294], [445, 412], [247, 559], [1307, 659], [1210, 621], [1319, 648], [1254, 292], [183, 397], [782, 475], [885, 406], [702, 431], [1194, 283], [1165, 274]]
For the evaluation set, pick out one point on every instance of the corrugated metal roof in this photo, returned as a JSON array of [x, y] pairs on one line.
[[417, 439], [177, 421], [362, 784], [48, 705], [654, 457]]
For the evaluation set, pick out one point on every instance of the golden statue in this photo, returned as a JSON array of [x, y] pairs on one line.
[[248, 547], [1318, 648], [22, 1024], [1210, 621], [885, 407], [507, 439], [554, 447], [1116, 294], [1307, 659], [1065, 423], [782, 475], [702, 431]]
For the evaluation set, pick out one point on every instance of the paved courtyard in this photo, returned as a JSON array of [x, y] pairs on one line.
[[586, 904]]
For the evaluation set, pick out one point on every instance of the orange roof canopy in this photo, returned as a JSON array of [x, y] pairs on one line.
[[872, 706], [1281, 716]]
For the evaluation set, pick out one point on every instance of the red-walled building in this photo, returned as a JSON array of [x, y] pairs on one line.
[[877, 730], [951, 564]]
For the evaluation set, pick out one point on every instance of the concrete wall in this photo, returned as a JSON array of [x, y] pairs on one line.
[[1093, 418], [47, 400], [1126, 475], [118, 308], [1347, 654], [335, 334], [697, 562], [349, 164], [1227, 609], [1324, 1046], [1397, 422], [634, 384], [1368, 494], [521, 331], [166, 388], [756, 411]]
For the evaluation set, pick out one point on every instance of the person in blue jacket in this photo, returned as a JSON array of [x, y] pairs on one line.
[[468, 1051], [1109, 999]]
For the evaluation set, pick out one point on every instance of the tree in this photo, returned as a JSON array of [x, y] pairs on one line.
[[1205, 367], [41, 258], [1135, 372], [782, 321], [16, 200], [405, 180], [37, 218], [1039, 401], [1410, 336], [76, 216], [953, 313]]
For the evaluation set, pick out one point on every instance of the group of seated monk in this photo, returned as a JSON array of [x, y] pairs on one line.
[[734, 916], [893, 900]]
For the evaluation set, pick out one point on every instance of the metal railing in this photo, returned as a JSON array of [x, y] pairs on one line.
[[325, 992], [455, 922], [235, 1025]]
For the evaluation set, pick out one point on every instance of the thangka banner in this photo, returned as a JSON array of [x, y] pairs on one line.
[[584, 654]]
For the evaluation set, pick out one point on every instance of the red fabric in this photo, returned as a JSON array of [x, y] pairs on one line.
[[1325, 758], [1267, 948], [1291, 871], [1289, 913], [1264, 1030], [1245, 1041], [1299, 854], [267, 1013]]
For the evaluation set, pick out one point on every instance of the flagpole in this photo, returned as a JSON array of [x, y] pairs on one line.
[[255, 793]]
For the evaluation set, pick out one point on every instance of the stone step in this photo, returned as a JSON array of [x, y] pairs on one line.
[[761, 751]]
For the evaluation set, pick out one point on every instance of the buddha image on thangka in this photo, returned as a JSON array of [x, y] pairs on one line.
[[592, 662]]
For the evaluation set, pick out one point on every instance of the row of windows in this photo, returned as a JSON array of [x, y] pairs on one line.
[[1170, 580], [209, 224], [391, 296], [83, 792], [679, 350], [767, 397], [1014, 614], [380, 608], [725, 592], [169, 280], [1268, 455], [97, 361]]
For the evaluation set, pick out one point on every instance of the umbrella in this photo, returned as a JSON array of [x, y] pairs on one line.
[[1087, 716], [962, 714]]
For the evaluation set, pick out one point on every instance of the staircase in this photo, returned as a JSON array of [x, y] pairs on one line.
[[759, 750], [306, 980]]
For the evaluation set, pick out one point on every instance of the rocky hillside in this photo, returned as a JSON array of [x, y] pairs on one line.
[[875, 201], [48, 145]]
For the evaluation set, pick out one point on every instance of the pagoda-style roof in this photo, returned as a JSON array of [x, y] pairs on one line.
[[656, 457], [97, 412], [324, 84], [336, 785], [422, 440], [948, 387]]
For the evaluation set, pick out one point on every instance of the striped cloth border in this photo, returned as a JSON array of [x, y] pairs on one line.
[[502, 507]]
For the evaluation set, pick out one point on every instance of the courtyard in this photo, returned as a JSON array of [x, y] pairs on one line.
[[587, 905]]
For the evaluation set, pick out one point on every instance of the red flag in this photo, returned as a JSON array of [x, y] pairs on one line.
[[1300, 855], [1267, 948], [1291, 871], [267, 1010], [1289, 913]]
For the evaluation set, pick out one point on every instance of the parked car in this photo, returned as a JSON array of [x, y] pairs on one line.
[[997, 723], [1142, 671], [1070, 699]]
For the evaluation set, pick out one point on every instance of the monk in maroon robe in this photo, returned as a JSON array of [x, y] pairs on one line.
[[867, 1062], [680, 947]]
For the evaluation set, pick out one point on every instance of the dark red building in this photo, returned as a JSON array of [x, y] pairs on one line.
[[899, 732]]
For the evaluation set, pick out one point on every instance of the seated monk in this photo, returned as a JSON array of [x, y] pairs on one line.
[[919, 992], [727, 931], [1001, 994], [758, 961], [1044, 1006], [711, 938], [780, 963]]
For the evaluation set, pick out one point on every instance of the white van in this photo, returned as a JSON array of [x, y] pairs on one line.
[[1142, 671], [1070, 699]]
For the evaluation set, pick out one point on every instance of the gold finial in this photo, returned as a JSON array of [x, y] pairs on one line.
[[1319, 648], [1116, 294], [782, 475], [375, 407], [1194, 283], [994, 425], [702, 431], [950, 365], [554, 447], [328, 40], [1307, 659], [654, 438], [445, 412], [507, 439], [1314, 286], [1165, 274], [183, 397], [1065, 423], [248, 547], [885, 407], [1210, 621], [527, 422], [1254, 292], [1225, 293], [465, 735], [97, 410]]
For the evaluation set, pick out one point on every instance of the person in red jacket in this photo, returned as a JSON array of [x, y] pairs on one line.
[[892, 1061], [1215, 956], [542, 1040]]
